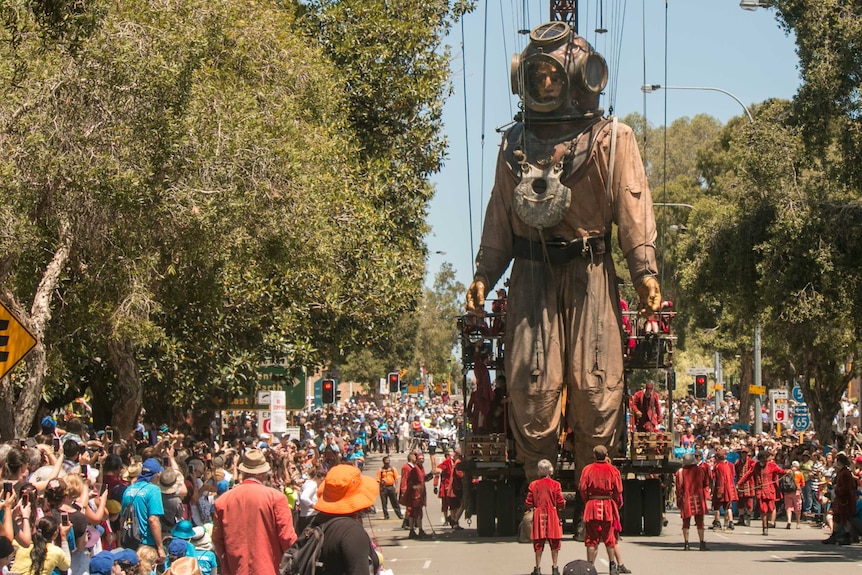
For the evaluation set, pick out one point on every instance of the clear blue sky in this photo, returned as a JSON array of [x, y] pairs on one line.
[[709, 43]]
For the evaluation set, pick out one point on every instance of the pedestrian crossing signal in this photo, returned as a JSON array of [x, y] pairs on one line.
[[327, 391]]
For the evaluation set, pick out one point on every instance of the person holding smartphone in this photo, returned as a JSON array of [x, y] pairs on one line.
[[42, 556]]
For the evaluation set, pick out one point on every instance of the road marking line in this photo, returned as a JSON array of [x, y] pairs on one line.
[[427, 564], [780, 558]]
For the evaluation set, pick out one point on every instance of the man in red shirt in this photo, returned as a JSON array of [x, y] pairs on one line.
[[691, 484], [646, 409], [601, 487], [252, 523], [765, 473], [402, 488], [745, 491], [444, 484], [416, 496], [724, 493]]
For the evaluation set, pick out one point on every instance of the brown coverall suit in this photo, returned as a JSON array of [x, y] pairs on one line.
[[563, 320]]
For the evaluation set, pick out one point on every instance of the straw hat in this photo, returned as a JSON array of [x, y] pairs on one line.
[[170, 481], [345, 491], [131, 473], [254, 462], [184, 566]]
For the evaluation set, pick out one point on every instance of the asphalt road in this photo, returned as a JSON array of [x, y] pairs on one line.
[[741, 552]]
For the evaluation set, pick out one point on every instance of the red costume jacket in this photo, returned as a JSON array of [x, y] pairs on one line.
[[602, 488], [844, 502], [744, 488], [765, 480], [447, 467], [402, 489], [416, 487], [725, 487], [545, 497], [691, 485], [649, 408]]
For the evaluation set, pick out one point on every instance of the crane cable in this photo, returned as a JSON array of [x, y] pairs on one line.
[[467, 147]]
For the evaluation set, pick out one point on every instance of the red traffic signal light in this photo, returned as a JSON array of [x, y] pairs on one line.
[[394, 382], [700, 390], [327, 391]]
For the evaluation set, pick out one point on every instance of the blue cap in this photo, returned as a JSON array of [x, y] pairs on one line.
[[222, 486], [149, 468], [48, 424], [101, 563], [178, 548], [124, 557]]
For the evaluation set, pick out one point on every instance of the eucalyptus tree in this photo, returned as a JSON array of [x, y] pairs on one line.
[[195, 166]]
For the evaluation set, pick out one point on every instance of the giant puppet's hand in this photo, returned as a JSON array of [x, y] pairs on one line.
[[476, 298], [649, 296]]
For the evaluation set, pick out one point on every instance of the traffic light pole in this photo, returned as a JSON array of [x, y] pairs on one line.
[[758, 418]]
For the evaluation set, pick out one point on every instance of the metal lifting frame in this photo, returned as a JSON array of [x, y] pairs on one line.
[[565, 11]]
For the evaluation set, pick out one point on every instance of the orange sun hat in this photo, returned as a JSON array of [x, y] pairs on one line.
[[345, 491]]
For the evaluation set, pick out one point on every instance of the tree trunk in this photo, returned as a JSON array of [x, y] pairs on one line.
[[19, 400], [823, 396], [128, 394]]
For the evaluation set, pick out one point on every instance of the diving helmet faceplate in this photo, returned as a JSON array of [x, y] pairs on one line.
[[558, 76]]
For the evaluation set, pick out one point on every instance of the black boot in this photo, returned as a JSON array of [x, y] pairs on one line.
[[703, 546], [686, 547]]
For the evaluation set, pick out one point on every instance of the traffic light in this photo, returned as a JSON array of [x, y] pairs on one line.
[[670, 380], [327, 391], [394, 382], [337, 395], [700, 391]]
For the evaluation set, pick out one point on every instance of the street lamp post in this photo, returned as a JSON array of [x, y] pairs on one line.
[[752, 4], [649, 88]]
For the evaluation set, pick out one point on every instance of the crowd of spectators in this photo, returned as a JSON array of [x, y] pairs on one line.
[[713, 433], [65, 488]]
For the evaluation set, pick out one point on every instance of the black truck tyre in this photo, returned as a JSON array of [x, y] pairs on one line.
[[653, 504], [486, 508], [507, 523], [631, 513]]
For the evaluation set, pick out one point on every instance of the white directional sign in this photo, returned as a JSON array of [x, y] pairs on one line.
[[699, 370]]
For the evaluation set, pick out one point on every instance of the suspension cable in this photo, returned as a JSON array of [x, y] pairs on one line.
[[467, 148]]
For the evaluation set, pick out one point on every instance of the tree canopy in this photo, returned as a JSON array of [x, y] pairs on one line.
[[190, 187]]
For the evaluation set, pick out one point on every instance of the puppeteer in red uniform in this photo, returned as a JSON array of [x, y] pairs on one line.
[[765, 473], [545, 498], [601, 487], [646, 408], [744, 490], [724, 493], [692, 481]]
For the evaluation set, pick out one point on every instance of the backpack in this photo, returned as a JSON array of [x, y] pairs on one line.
[[130, 530], [303, 557], [787, 484]]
